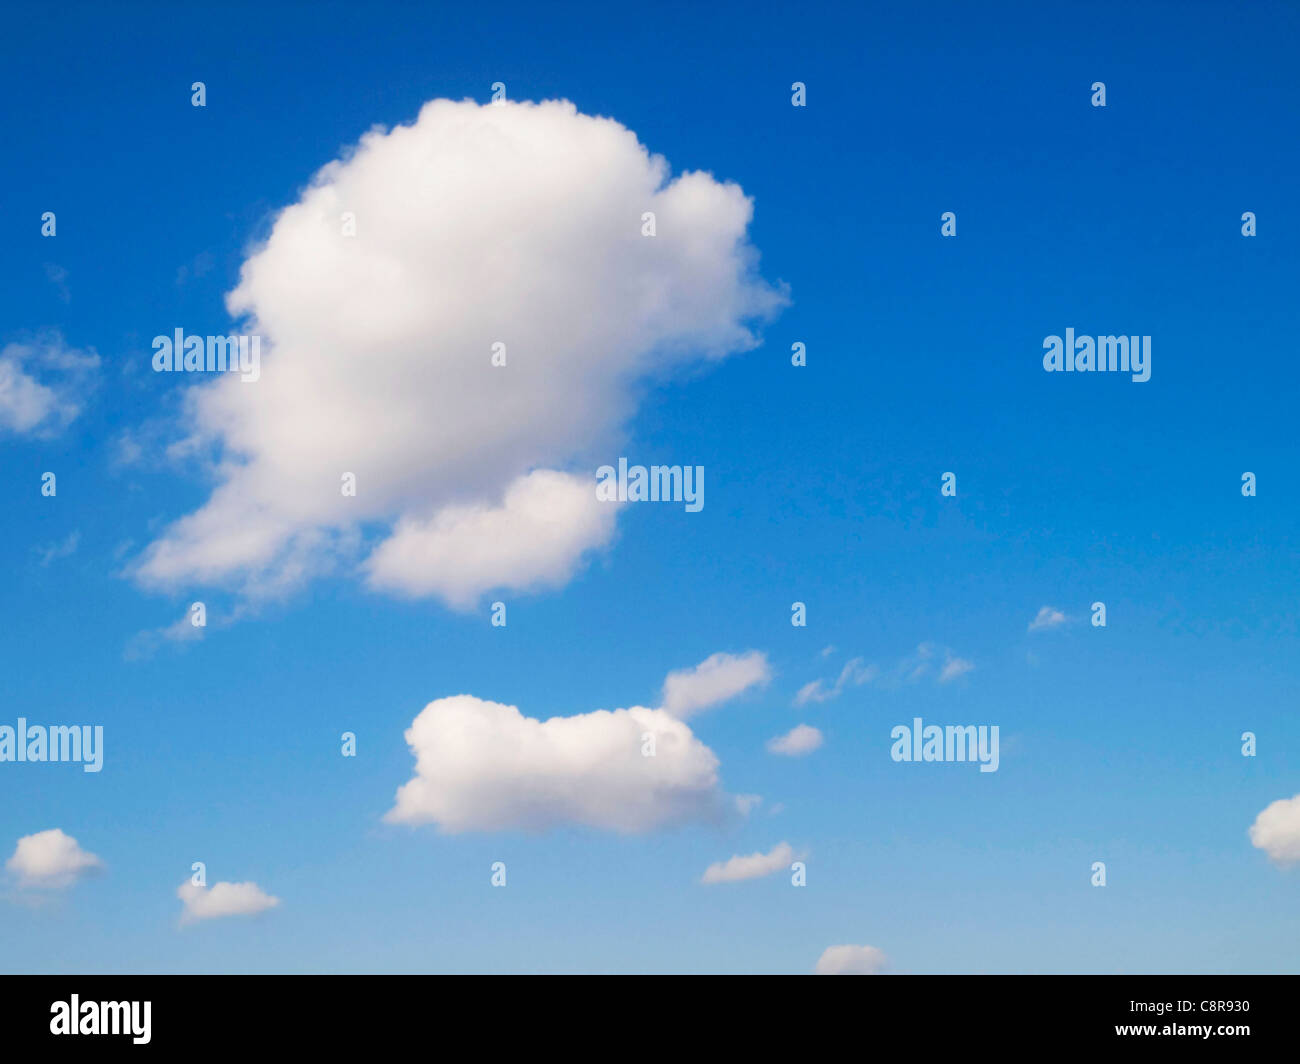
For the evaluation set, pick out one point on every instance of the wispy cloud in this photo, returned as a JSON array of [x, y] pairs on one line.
[[954, 667], [1047, 617], [44, 385], [60, 549], [927, 660], [854, 674], [58, 276]]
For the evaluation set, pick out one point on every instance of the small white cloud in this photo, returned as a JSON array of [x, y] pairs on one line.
[[851, 960], [716, 679], [1048, 617], [755, 866], [747, 803], [799, 740], [223, 899], [1276, 830], [955, 667], [918, 664], [43, 385], [50, 860]]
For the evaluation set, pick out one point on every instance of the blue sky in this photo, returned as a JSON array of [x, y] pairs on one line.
[[1119, 744]]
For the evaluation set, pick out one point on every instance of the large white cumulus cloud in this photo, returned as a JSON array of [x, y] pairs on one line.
[[518, 224]]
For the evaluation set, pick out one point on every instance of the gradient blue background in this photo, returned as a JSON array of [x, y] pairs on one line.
[[1119, 744]]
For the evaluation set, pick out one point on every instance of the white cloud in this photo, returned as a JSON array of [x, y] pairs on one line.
[[484, 766], [954, 667], [716, 679], [1276, 830], [43, 385], [854, 674], [61, 549], [223, 899], [1048, 617], [917, 665], [517, 224], [851, 960], [910, 669], [145, 644], [534, 538], [755, 866], [799, 740], [50, 859]]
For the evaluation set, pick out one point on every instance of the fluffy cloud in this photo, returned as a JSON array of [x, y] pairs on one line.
[[714, 680], [50, 860], [851, 960], [755, 866], [223, 899], [1276, 830], [43, 385], [800, 740], [535, 538], [517, 224], [1047, 617], [484, 766]]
